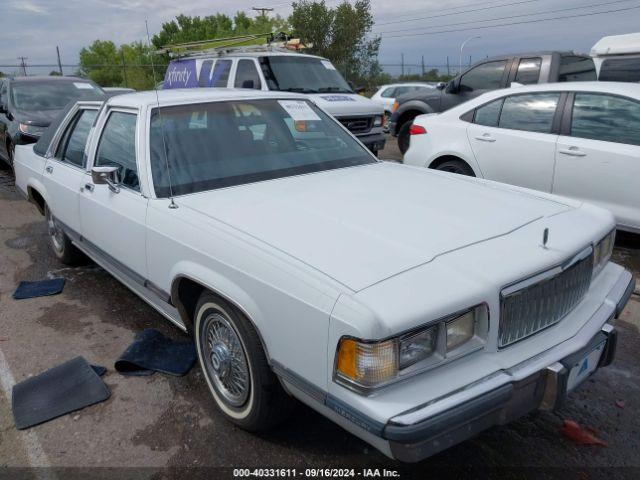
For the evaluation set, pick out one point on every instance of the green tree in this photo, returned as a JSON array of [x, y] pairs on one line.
[[99, 62], [340, 34]]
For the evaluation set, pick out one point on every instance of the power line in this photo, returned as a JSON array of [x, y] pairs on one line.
[[458, 13], [511, 16], [514, 23]]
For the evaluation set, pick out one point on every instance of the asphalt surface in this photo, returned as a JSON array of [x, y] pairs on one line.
[[157, 426]]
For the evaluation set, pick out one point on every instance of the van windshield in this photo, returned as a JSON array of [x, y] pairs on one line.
[[293, 73], [214, 145]]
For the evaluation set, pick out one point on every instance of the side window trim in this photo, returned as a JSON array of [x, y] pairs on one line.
[[104, 115]]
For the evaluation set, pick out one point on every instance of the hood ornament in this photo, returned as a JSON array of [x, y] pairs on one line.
[[545, 238]]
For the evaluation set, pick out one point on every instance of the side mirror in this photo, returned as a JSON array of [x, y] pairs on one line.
[[454, 85], [3, 108], [441, 85], [106, 176]]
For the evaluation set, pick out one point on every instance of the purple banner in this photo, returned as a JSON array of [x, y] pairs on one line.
[[181, 74]]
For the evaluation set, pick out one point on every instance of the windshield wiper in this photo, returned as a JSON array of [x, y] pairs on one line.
[[334, 90], [299, 90]]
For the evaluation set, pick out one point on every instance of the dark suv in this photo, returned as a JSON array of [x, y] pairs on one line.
[[489, 74], [29, 104]]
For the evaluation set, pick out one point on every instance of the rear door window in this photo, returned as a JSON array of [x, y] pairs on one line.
[[489, 114], [530, 112], [528, 70], [220, 76], [74, 140], [574, 68], [620, 70], [606, 117], [247, 75]]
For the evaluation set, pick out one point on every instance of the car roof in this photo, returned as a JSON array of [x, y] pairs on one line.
[[626, 89], [51, 78], [532, 54], [194, 95]]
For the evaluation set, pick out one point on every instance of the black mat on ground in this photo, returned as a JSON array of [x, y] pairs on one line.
[[41, 288], [60, 390], [152, 352]]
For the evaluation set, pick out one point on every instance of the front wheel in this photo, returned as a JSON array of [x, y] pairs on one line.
[[235, 366], [61, 244]]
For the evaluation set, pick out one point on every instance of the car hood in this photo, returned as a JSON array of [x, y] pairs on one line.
[[41, 118], [345, 104], [362, 225]]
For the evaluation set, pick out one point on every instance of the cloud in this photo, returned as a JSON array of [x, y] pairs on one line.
[[28, 6]]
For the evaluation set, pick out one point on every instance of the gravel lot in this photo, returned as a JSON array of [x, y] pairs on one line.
[[155, 426]]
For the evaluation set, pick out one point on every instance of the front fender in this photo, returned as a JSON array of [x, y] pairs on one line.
[[398, 117]]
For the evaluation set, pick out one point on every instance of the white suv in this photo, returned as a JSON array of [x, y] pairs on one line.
[[280, 70]]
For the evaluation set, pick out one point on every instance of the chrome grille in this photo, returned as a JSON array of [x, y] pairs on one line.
[[356, 124], [530, 306]]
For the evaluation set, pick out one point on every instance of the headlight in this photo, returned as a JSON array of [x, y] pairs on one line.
[[602, 251], [364, 365], [378, 121], [31, 130]]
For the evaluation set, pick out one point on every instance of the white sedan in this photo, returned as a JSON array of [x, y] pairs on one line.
[[411, 307], [580, 140], [387, 94]]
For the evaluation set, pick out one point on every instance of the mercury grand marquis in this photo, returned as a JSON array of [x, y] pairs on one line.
[[414, 308]]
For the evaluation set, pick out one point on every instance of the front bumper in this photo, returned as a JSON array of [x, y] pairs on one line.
[[373, 141], [418, 433]]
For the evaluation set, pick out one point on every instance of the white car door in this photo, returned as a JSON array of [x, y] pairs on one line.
[[64, 171], [512, 139], [113, 222], [598, 160]]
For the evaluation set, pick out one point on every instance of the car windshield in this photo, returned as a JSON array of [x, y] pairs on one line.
[[32, 96], [303, 74], [221, 144]]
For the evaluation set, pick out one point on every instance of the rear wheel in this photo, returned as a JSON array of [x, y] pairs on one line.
[[456, 166], [404, 137], [235, 366], [62, 247]]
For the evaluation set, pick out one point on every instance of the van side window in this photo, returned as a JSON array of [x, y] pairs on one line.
[[205, 72], [620, 70], [247, 75], [220, 76]]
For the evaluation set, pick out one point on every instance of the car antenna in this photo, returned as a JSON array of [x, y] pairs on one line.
[[164, 142]]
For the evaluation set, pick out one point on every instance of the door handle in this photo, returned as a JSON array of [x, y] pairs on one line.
[[89, 187], [486, 138], [49, 169], [572, 152]]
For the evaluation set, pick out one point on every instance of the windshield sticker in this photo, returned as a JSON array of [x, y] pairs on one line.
[[181, 75], [337, 98], [327, 64], [299, 110], [83, 86]]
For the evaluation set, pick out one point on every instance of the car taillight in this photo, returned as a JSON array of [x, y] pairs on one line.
[[417, 130]]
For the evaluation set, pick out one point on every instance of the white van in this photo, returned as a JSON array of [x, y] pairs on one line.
[[268, 68], [617, 58]]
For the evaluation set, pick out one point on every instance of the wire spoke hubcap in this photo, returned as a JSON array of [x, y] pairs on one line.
[[225, 360]]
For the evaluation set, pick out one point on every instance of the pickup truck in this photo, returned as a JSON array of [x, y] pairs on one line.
[[413, 307], [489, 74]]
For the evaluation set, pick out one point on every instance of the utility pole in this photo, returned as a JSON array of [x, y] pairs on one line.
[[448, 70], [469, 60], [263, 10], [59, 62], [124, 69], [423, 65], [402, 65], [23, 65]]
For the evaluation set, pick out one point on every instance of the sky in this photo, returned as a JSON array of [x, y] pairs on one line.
[[33, 28]]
